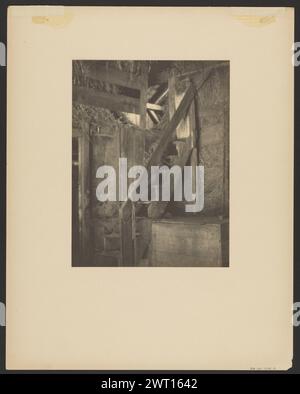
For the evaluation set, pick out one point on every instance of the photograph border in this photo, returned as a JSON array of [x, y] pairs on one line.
[[121, 374]]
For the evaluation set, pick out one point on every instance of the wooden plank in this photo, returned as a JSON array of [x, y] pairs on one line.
[[171, 94], [153, 116], [162, 77], [115, 77], [169, 132], [76, 132], [144, 227], [225, 244], [192, 220], [192, 123], [119, 103], [84, 186], [127, 252], [133, 147], [171, 259], [154, 107], [156, 209], [198, 141], [143, 96], [160, 94], [95, 98], [186, 245], [194, 163]]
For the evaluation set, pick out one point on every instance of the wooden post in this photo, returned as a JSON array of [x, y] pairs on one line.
[[143, 95], [192, 125], [194, 158], [84, 190], [126, 215], [197, 137], [171, 93]]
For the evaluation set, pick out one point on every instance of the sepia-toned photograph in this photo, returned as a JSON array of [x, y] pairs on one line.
[[150, 163], [138, 159]]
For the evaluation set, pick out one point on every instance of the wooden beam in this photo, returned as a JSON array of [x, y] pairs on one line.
[[76, 132], [197, 120], [83, 198], [170, 129], [115, 77], [153, 116], [118, 103], [192, 123], [127, 250], [143, 96], [155, 107], [171, 93], [160, 93], [163, 76], [162, 96]]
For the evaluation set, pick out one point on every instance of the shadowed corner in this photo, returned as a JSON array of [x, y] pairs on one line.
[[2, 314], [2, 55]]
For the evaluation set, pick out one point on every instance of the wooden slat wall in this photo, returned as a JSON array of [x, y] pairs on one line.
[[132, 146]]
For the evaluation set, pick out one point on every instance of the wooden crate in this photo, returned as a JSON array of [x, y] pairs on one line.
[[189, 243]]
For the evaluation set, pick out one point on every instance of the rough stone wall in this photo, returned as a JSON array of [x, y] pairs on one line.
[[214, 138]]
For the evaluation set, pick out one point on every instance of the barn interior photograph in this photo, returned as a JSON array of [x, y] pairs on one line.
[[154, 113]]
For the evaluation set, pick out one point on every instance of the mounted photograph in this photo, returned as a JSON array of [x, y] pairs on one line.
[[150, 163]]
